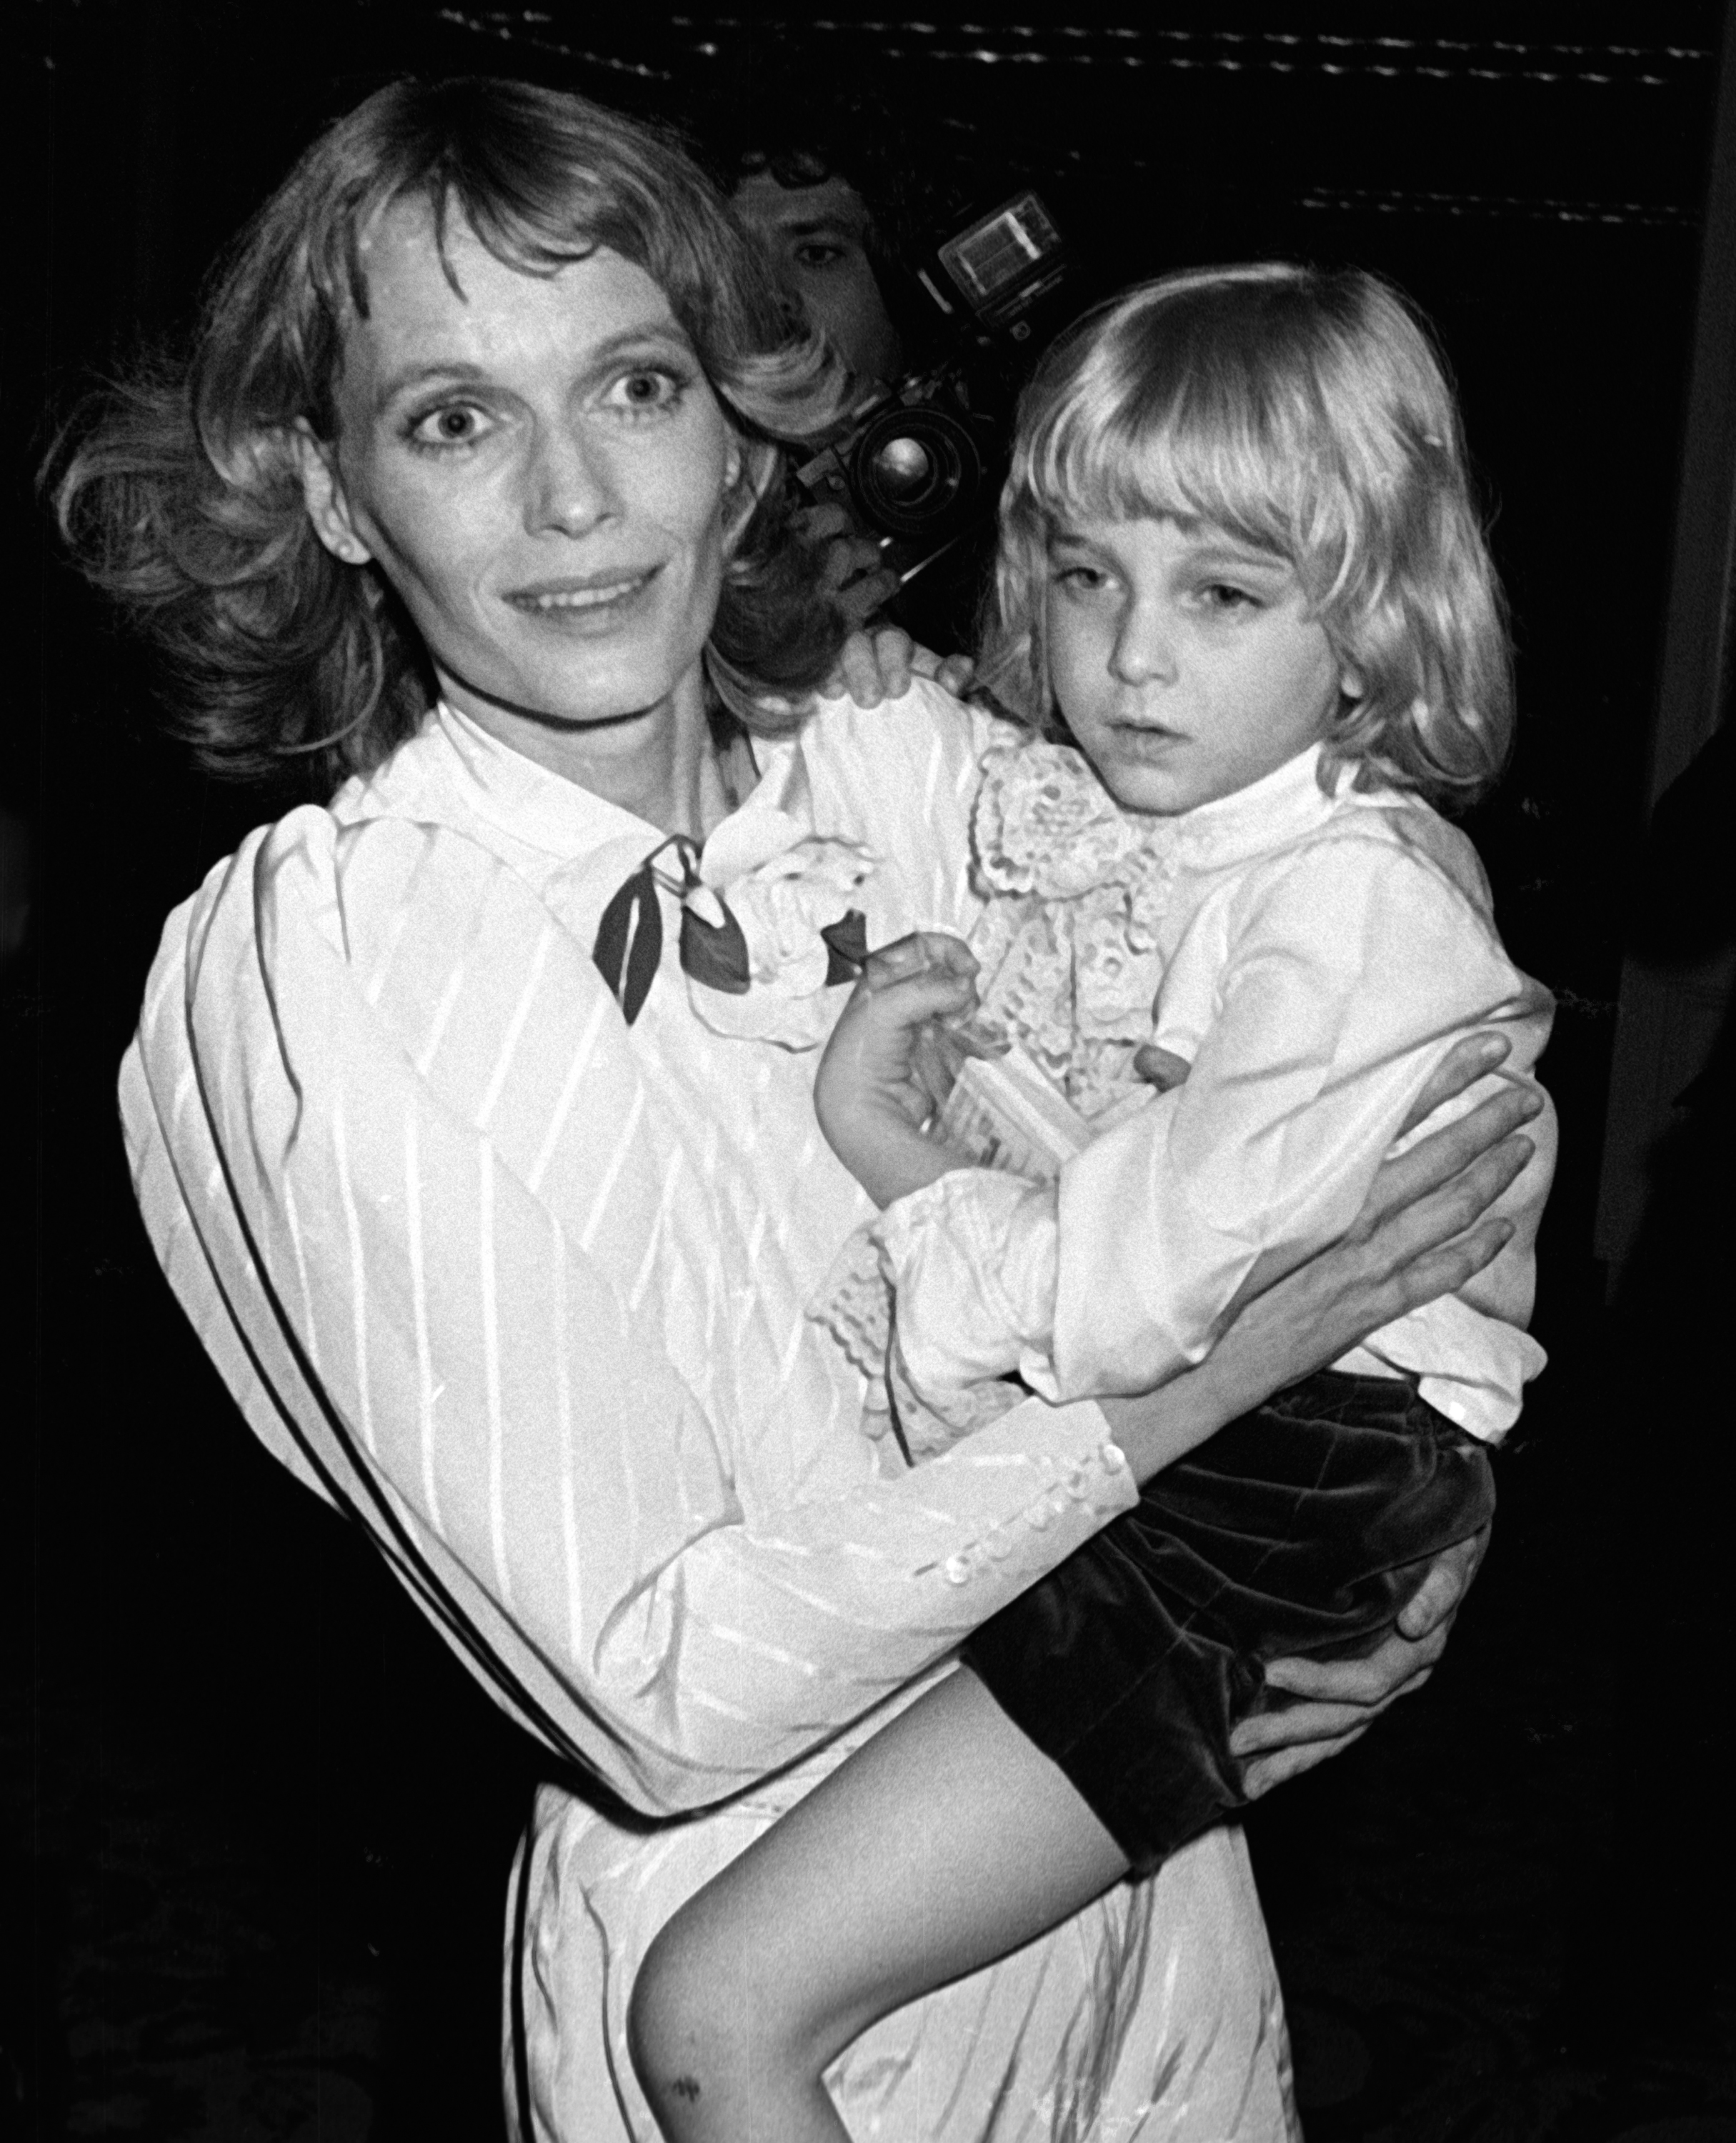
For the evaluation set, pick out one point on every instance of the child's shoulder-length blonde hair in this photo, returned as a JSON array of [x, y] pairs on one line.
[[1307, 413]]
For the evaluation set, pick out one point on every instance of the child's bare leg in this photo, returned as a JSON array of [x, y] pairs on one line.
[[946, 1842]]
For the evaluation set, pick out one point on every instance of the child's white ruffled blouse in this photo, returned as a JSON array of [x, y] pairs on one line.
[[1311, 957]]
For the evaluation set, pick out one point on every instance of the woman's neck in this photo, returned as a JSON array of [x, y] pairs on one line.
[[661, 763]]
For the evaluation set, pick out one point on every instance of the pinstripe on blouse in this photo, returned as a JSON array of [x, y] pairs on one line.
[[522, 1290]]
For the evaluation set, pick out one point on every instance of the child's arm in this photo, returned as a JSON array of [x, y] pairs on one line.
[[945, 1842], [1350, 969], [1348, 972], [870, 1093]]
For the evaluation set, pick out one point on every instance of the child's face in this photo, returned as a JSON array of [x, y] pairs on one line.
[[1185, 664]]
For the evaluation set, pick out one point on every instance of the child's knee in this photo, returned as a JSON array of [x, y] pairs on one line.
[[678, 2033]]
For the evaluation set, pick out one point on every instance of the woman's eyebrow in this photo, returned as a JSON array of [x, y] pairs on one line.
[[456, 369], [652, 335]]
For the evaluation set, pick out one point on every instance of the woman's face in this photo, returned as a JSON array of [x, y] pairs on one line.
[[538, 465]]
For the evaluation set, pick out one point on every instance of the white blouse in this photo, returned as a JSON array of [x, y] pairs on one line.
[[1315, 956], [522, 1290]]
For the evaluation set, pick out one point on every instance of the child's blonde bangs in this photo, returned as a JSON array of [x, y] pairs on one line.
[[1142, 436]]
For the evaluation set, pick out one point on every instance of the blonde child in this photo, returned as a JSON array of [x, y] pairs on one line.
[[1249, 622]]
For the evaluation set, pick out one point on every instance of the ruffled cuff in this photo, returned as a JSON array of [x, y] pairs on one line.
[[971, 1259]]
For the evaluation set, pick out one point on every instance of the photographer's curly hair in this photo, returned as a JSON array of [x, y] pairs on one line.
[[180, 491], [1306, 413]]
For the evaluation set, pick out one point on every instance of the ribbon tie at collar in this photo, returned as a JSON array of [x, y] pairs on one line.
[[712, 948]]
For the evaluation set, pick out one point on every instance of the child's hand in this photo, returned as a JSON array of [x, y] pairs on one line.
[[873, 1092]]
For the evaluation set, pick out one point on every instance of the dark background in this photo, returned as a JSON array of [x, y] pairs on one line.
[[256, 1825]]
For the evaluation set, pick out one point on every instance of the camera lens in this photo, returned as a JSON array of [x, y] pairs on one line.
[[917, 474], [902, 468]]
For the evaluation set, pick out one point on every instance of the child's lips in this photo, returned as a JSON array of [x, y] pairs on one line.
[[1142, 740]]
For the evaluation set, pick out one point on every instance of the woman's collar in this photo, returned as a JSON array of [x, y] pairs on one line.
[[535, 805]]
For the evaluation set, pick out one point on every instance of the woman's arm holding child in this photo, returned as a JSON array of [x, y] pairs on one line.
[[1424, 1230]]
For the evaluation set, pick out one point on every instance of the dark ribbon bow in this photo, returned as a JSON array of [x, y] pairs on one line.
[[629, 945]]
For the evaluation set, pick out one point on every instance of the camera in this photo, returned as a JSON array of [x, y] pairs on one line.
[[919, 467]]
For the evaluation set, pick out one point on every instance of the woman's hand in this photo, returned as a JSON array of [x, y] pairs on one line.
[[870, 1093], [879, 664], [1420, 1235], [1335, 1701], [876, 662]]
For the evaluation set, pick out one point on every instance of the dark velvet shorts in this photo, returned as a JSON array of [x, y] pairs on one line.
[[1301, 1527]]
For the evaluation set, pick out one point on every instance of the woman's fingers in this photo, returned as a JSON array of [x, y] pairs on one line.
[[1435, 1221], [952, 673], [1471, 1059], [873, 666], [1442, 1272], [1437, 1599], [1265, 1772], [1448, 1153], [1398, 1667], [1331, 1701], [1308, 1723], [877, 664]]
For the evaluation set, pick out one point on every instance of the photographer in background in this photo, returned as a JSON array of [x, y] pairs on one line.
[[853, 213], [816, 227]]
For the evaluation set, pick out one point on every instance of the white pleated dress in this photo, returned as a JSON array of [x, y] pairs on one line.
[[523, 1289]]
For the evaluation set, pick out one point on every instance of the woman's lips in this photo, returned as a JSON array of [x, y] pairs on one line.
[[596, 595]]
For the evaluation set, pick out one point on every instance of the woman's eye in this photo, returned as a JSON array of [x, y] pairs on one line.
[[817, 254], [452, 424], [648, 389]]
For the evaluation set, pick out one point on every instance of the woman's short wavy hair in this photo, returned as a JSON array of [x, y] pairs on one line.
[[1307, 413], [181, 493]]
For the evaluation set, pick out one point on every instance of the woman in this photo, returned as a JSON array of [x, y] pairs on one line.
[[501, 1225]]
